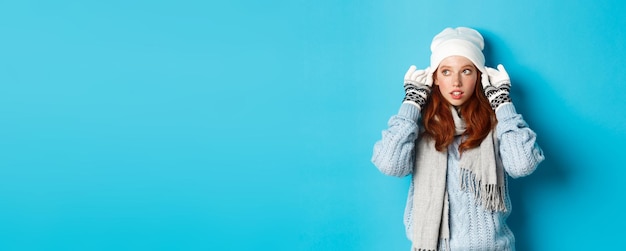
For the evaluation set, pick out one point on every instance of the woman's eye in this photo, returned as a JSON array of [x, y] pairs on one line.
[[445, 72], [467, 71]]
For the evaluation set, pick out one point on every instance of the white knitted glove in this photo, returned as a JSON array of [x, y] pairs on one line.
[[417, 85], [500, 86]]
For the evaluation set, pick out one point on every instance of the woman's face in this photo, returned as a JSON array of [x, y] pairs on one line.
[[456, 77]]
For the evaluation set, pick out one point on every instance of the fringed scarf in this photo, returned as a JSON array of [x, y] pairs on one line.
[[481, 174]]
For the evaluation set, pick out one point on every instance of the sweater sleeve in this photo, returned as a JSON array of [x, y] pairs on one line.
[[519, 150], [393, 154]]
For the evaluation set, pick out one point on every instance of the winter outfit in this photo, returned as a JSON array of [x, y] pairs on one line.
[[458, 201]]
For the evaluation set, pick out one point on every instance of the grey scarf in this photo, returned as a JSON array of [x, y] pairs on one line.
[[481, 174]]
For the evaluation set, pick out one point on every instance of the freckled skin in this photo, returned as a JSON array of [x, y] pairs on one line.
[[456, 77]]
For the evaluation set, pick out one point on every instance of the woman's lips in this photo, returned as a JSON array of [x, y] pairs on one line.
[[456, 94]]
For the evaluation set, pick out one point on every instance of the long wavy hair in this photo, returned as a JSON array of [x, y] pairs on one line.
[[480, 119]]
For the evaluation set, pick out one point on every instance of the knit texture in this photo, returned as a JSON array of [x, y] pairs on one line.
[[481, 174], [471, 226], [498, 96], [416, 93], [459, 41]]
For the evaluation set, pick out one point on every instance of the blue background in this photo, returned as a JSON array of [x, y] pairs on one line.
[[249, 125]]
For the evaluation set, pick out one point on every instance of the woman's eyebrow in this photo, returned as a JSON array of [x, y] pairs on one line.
[[448, 66]]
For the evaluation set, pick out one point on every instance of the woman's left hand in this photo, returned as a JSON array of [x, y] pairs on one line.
[[499, 87]]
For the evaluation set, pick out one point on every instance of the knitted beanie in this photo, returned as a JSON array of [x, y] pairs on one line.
[[460, 41]]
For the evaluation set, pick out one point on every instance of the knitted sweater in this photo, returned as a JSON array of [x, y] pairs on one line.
[[471, 226]]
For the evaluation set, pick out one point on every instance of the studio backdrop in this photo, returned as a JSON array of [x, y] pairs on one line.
[[249, 125]]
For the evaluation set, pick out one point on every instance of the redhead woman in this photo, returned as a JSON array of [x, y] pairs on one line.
[[459, 136]]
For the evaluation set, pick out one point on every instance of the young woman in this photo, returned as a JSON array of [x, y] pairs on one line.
[[459, 136]]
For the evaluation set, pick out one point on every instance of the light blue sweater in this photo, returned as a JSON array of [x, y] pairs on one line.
[[471, 226]]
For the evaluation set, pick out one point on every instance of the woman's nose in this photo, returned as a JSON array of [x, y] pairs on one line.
[[456, 82]]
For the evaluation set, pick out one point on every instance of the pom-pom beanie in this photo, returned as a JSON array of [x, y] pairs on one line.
[[460, 41]]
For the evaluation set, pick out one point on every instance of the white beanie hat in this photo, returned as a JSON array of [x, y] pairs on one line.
[[460, 41]]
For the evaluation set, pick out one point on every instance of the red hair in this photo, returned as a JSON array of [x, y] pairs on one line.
[[479, 118]]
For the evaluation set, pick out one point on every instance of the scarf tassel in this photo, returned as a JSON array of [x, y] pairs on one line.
[[491, 196], [444, 244]]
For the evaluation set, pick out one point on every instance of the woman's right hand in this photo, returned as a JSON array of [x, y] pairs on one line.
[[417, 84]]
